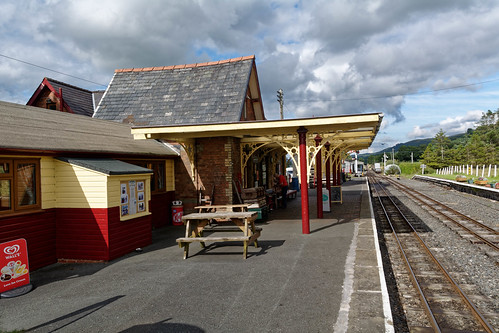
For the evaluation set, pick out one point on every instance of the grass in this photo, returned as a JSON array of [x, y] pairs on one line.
[[410, 169], [453, 177]]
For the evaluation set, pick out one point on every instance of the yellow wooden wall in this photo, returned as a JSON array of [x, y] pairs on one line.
[[170, 175], [47, 182], [69, 186], [78, 187]]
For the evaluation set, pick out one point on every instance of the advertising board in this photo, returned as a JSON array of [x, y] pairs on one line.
[[14, 268]]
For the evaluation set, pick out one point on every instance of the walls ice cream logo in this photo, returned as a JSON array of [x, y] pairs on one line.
[[12, 251]]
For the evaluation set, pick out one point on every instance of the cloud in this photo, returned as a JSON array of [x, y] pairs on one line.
[[329, 57], [450, 125]]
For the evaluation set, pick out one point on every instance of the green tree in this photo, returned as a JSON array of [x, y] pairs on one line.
[[441, 143], [430, 157]]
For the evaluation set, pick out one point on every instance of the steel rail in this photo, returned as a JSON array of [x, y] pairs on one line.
[[474, 310], [412, 275], [409, 191]]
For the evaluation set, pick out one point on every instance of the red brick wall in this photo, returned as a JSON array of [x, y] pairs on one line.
[[41, 100], [185, 189], [217, 164]]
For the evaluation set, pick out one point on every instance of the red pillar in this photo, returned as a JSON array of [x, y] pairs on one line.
[[318, 173], [302, 136], [328, 171]]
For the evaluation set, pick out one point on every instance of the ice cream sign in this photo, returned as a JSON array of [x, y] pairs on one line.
[[14, 269]]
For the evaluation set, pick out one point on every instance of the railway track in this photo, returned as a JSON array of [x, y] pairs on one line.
[[446, 307], [467, 227]]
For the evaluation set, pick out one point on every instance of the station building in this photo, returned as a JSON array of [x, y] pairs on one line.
[[70, 183]]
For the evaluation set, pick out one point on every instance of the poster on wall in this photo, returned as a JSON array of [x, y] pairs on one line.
[[132, 197], [14, 267], [132, 209]]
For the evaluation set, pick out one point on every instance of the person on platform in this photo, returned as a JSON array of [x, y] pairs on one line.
[[283, 183]]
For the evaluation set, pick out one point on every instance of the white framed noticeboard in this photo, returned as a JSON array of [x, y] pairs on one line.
[[132, 197]]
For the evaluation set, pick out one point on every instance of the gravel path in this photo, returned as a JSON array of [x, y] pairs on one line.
[[468, 263]]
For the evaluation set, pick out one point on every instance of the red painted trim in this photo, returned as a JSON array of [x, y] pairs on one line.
[[37, 92], [302, 135]]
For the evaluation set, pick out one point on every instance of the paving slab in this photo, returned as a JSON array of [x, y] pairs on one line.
[[327, 281]]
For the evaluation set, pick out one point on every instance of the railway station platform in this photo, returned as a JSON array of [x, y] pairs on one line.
[[328, 281]]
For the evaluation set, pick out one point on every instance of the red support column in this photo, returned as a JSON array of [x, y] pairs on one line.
[[328, 171], [302, 136], [318, 173]]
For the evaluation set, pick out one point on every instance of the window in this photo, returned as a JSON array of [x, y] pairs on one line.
[[158, 178], [50, 104], [19, 185]]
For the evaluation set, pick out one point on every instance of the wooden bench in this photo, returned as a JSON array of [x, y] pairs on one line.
[[198, 223]]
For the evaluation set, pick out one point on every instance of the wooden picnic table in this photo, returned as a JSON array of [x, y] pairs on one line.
[[227, 221], [222, 208]]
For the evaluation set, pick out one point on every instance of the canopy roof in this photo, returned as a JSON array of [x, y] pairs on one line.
[[355, 131]]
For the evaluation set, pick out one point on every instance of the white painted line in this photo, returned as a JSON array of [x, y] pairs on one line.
[[341, 325], [386, 300]]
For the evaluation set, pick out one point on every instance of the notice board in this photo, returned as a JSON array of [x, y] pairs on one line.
[[133, 198], [336, 194]]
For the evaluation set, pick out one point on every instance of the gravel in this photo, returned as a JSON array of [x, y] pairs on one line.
[[468, 263]]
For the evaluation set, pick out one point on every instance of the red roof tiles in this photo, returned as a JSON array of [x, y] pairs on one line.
[[160, 68]]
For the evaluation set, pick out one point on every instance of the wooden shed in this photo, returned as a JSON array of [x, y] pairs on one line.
[[61, 178]]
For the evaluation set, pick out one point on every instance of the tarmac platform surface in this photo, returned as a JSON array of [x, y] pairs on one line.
[[327, 281]]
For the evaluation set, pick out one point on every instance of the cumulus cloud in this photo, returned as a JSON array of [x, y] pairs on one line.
[[329, 57], [450, 125]]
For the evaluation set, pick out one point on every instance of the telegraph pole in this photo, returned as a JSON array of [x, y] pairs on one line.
[[280, 99]]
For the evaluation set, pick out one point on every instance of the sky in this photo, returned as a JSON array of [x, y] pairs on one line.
[[426, 65]]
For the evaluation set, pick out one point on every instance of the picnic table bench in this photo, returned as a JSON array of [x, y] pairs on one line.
[[227, 221], [222, 208]]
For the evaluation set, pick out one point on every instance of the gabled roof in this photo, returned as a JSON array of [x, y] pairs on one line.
[[38, 130], [76, 100], [213, 92]]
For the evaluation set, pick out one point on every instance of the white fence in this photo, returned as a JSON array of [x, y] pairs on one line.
[[468, 169]]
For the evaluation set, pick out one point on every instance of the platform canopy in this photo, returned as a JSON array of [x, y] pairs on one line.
[[301, 139], [356, 131], [343, 133]]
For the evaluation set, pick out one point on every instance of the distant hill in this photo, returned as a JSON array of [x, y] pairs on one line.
[[411, 143]]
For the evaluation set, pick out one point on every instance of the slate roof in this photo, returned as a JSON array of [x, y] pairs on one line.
[[107, 166], [78, 100], [211, 92], [28, 128]]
